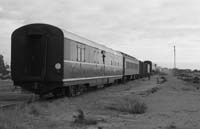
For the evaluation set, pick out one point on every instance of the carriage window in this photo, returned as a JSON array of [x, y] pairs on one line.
[[78, 53], [83, 54], [94, 56], [97, 57], [118, 62]]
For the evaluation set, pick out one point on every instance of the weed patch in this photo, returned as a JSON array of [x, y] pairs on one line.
[[34, 110], [79, 118], [12, 119], [129, 105]]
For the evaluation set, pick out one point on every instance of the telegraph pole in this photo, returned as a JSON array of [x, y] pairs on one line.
[[174, 57]]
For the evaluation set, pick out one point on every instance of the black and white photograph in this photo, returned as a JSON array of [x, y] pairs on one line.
[[99, 64]]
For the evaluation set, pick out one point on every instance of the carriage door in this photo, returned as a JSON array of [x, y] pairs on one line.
[[35, 58], [103, 58]]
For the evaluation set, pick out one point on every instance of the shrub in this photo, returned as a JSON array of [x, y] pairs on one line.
[[79, 118], [171, 126], [129, 105], [196, 80]]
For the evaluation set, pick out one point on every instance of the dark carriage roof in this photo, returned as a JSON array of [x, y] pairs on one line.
[[39, 27]]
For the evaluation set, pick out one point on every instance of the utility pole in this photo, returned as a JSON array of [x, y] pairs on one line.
[[174, 57]]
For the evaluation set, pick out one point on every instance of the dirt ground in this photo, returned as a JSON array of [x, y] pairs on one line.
[[173, 105]]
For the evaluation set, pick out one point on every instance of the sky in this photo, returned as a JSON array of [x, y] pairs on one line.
[[145, 29]]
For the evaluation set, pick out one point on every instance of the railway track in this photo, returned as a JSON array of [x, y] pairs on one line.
[[11, 97], [8, 106]]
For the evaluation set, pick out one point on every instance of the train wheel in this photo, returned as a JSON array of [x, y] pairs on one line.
[[59, 92], [71, 91], [76, 90], [81, 89]]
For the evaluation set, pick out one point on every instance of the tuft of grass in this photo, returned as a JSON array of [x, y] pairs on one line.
[[129, 105], [79, 118], [36, 109], [153, 90], [171, 126], [161, 80], [196, 80], [26, 116]]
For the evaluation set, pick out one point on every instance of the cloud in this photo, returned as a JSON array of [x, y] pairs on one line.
[[146, 29], [1, 9]]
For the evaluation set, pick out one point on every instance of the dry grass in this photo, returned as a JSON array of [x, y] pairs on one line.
[[129, 105], [171, 126], [162, 73], [12, 119], [34, 110], [24, 117]]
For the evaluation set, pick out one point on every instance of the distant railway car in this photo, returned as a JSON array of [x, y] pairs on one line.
[[130, 67], [46, 59], [145, 69], [149, 66], [141, 69]]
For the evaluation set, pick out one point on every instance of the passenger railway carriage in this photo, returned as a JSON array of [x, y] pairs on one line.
[[130, 67], [89, 63], [141, 69], [148, 67], [46, 59]]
